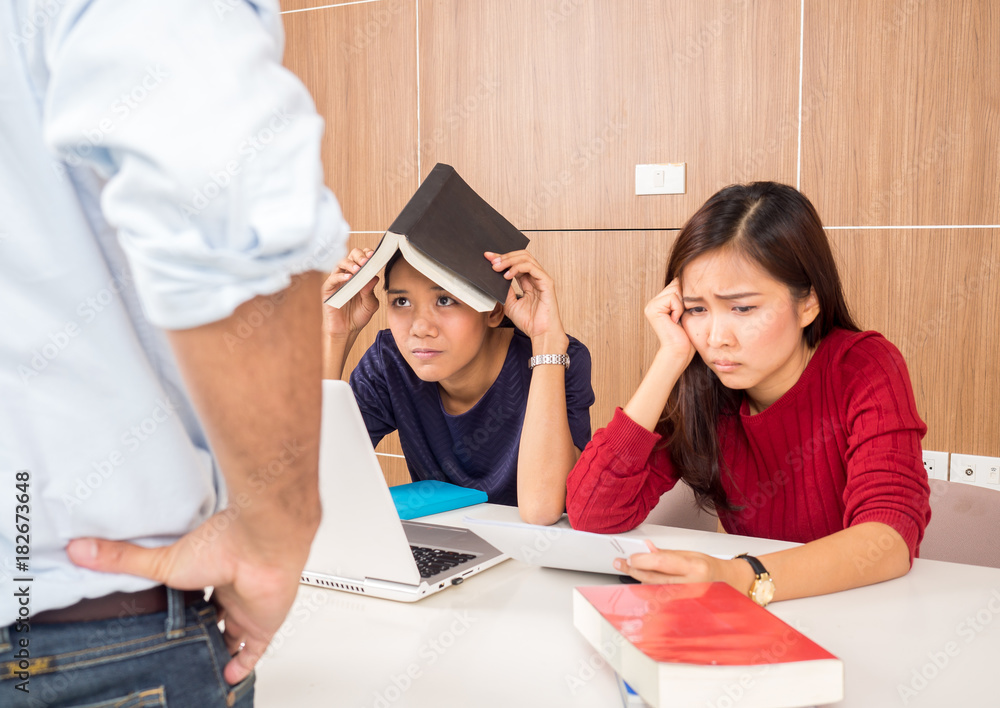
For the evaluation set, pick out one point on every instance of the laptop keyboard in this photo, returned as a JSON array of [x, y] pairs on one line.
[[431, 561]]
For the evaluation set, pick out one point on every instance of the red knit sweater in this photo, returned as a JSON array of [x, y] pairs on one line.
[[841, 447]]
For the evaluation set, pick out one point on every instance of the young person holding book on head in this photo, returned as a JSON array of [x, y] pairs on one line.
[[473, 400], [769, 402]]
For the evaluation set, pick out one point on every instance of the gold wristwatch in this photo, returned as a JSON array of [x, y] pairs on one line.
[[762, 589]]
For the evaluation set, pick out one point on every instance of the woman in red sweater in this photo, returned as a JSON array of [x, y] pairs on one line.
[[769, 402]]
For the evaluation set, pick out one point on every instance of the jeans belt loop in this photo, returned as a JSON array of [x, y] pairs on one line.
[[175, 613]]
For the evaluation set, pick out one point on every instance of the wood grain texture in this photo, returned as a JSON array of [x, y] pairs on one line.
[[546, 106], [908, 124], [603, 282], [394, 468], [359, 63], [292, 5], [935, 294]]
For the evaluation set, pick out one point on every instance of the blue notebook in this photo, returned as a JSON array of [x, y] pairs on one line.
[[429, 496]]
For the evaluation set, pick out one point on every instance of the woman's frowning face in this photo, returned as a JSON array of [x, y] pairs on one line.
[[745, 325]]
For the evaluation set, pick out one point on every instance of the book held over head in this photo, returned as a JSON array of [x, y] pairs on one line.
[[443, 232], [705, 644]]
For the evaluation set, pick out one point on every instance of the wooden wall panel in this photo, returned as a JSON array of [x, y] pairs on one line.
[[546, 106], [936, 295], [912, 112], [359, 62], [294, 5], [603, 282], [390, 456]]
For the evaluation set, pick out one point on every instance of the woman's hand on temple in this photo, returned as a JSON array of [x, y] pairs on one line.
[[664, 313]]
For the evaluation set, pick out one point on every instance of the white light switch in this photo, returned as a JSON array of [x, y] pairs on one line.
[[661, 179]]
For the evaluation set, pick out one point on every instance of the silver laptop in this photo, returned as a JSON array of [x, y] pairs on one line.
[[361, 545]]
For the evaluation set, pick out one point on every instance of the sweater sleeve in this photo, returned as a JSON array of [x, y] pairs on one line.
[[886, 480], [618, 479]]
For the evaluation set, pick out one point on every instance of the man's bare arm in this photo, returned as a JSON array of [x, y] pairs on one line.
[[258, 395]]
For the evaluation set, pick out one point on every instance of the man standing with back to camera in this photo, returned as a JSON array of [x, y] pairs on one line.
[[163, 233]]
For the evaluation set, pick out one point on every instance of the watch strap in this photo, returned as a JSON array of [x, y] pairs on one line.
[[758, 567], [562, 359]]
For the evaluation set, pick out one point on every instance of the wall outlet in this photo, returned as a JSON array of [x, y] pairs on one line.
[[962, 469], [936, 464], [976, 469]]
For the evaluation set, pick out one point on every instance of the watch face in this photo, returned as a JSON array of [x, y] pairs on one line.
[[763, 591]]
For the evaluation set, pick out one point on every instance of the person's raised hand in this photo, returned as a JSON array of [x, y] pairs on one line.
[[350, 319], [536, 312], [664, 313]]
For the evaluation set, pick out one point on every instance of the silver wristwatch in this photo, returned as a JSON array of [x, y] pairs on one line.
[[549, 359]]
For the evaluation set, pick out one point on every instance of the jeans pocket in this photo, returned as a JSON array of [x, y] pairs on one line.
[[242, 690], [147, 698], [239, 695]]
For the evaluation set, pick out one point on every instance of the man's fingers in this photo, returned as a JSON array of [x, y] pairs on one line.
[[245, 649], [240, 666], [232, 638], [119, 557]]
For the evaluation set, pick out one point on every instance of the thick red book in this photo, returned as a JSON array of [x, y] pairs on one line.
[[702, 643]]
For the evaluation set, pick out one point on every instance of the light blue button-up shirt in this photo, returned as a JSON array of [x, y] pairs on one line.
[[158, 167]]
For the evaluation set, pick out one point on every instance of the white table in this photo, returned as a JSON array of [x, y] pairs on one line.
[[506, 638]]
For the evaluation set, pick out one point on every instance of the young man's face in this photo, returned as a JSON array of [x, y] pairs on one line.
[[438, 336]]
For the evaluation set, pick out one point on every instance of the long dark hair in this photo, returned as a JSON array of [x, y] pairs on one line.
[[776, 227]]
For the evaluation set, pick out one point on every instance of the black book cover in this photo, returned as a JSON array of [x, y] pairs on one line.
[[451, 224]]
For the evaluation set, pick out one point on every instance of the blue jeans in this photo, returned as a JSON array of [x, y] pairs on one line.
[[173, 658]]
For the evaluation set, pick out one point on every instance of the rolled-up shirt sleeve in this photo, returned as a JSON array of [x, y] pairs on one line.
[[210, 148]]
